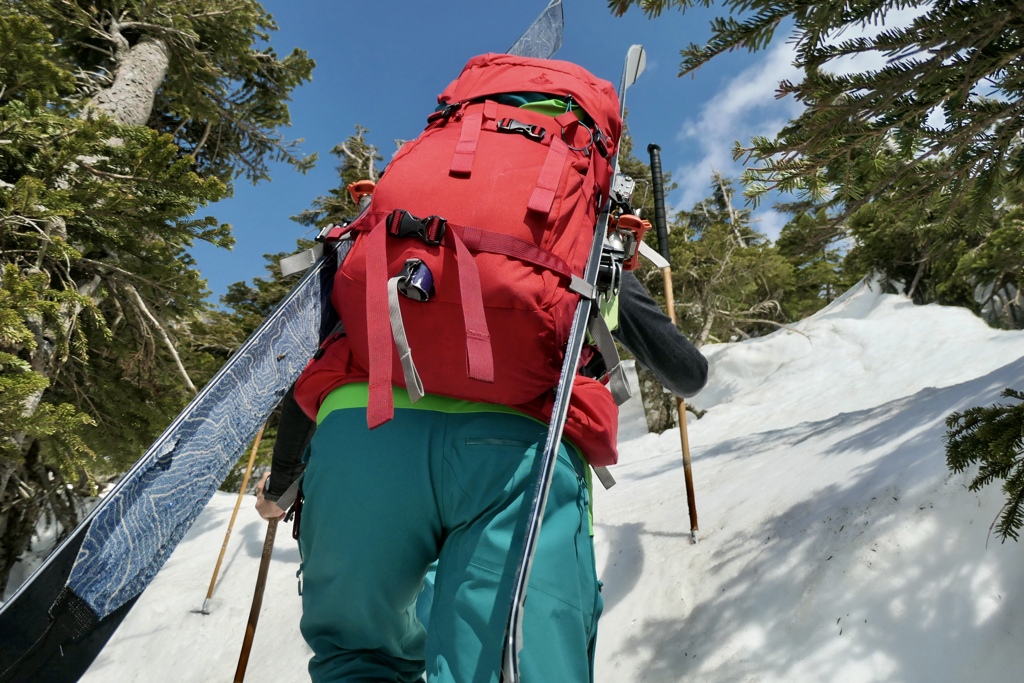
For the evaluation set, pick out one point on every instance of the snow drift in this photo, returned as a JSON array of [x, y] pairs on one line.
[[834, 543]]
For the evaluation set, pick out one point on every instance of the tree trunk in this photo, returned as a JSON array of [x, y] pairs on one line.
[[659, 405], [140, 71], [917, 277], [705, 331], [18, 523]]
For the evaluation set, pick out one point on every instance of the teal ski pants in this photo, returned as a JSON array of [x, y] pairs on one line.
[[381, 506]]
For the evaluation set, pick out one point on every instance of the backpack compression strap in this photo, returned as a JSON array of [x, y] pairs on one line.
[[380, 316], [546, 189], [381, 405]]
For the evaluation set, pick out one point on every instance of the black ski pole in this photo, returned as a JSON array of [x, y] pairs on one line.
[[661, 225]]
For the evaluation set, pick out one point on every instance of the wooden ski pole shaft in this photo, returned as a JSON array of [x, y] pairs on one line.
[[661, 225], [684, 437], [231, 524], [257, 601]]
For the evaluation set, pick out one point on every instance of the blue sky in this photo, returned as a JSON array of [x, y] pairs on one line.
[[382, 64]]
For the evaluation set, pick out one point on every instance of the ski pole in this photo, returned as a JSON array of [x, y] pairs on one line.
[[257, 601], [658, 182], [231, 524]]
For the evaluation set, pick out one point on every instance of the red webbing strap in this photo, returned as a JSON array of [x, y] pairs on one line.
[[498, 243], [380, 406], [465, 150], [469, 137], [478, 338], [365, 222], [543, 196]]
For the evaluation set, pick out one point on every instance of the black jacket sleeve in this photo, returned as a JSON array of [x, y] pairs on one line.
[[656, 343], [293, 434]]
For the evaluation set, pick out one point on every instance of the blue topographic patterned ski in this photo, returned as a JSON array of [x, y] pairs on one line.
[[544, 36], [155, 503], [53, 627], [122, 544]]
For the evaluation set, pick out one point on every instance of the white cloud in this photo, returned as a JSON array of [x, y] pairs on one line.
[[864, 61], [769, 222], [746, 106]]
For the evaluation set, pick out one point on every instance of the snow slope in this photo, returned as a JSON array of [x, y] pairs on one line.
[[834, 544]]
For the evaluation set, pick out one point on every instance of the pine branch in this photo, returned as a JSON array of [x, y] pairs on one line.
[[993, 438]]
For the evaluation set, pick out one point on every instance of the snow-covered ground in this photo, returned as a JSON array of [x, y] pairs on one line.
[[835, 546]]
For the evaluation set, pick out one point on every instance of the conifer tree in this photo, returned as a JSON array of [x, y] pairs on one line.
[[812, 244], [120, 120], [359, 161], [729, 279]]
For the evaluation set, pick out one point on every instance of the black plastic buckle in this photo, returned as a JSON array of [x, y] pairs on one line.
[[444, 113], [601, 142], [430, 229], [535, 133]]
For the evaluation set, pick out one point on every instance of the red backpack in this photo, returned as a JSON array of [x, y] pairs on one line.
[[459, 280]]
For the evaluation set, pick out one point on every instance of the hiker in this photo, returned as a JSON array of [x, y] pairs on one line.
[[397, 479], [650, 336]]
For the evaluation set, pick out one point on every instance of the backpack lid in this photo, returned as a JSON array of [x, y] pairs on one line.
[[493, 73]]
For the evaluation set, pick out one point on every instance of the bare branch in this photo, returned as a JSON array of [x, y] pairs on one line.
[[202, 140], [134, 294], [767, 321], [112, 176]]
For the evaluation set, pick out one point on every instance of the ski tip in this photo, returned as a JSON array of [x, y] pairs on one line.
[[636, 62], [544, 36]]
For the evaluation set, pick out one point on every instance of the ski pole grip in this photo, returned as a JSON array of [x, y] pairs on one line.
[[658, 181]]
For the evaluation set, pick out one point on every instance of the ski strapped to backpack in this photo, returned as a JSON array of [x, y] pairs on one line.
[[635, 62]]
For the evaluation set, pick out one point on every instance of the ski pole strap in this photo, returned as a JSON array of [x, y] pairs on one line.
[[413, 383], [618, 384], [605, 477]]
